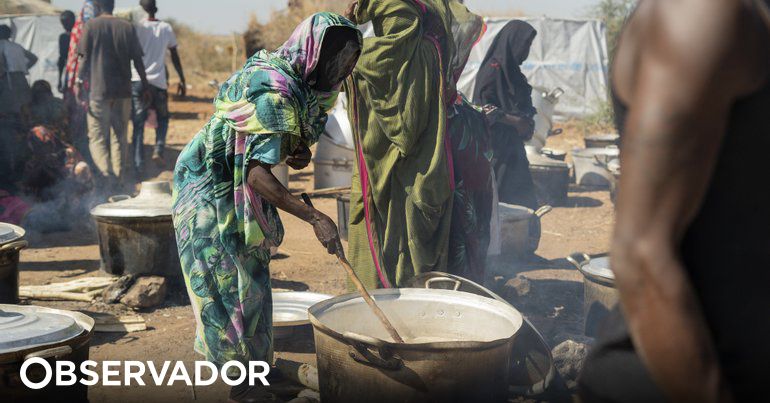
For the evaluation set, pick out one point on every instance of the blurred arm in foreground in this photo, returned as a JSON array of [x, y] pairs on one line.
[[681, 67]]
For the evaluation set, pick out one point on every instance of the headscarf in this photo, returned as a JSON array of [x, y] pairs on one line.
[[500, 81], [86, 13], [276, 85]]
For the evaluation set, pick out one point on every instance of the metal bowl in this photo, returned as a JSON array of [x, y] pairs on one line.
[[290, 311]]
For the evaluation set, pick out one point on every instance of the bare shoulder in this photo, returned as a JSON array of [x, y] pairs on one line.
[[712, 42]]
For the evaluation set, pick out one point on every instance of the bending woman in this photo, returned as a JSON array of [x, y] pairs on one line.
[[225, 196]]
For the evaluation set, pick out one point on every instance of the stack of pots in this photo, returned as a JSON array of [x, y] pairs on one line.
[[136, 235], [11, 243]]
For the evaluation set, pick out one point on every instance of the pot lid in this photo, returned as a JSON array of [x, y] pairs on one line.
[[154, 200], [599, 267], [545, 161], [23, 327], [10, 233]]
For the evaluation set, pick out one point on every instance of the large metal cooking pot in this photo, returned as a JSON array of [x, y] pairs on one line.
[[51, 334], [590, 166], [599, 293], [520, 229], [11, 243], [136, 236], [551, 178], [457, 347], [532, 372]]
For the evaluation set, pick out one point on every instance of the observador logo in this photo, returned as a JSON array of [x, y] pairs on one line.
[[133, 373]]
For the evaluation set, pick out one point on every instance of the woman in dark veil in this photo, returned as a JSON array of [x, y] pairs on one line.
[[500, 83]]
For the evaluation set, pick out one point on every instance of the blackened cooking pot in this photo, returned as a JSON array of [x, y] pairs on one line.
[[136, 236], [11, 243], [35, 332], [599, 293]]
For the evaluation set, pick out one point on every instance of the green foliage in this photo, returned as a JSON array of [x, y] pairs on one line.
[[614, 14]]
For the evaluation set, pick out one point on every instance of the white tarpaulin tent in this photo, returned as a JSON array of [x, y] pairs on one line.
[[40, 35], [571, 54]]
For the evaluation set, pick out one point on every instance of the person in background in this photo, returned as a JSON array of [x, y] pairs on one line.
[[77, 109], [15, 62], [108, 47], [691, 249], [67, 19], [226, 200], [47, 110], [156, 37], [501, 84]]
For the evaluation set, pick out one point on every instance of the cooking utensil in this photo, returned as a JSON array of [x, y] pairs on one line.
[[290, 311], [599, 293], [11, 243], [532, 372], [458, 348], [51, 334], [136, 235], [360, 286]]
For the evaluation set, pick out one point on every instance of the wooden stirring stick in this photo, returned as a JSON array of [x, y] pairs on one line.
[[360, 287]]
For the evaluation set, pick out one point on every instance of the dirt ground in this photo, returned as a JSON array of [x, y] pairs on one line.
[[553, 303]]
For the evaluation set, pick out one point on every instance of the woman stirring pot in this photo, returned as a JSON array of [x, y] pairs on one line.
[[226, 198]]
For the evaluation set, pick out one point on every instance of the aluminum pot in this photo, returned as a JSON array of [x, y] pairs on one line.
[[333, 164], [343, 215], [51, 334], [520, 229], [136, 236], [599, 293], [457, 347], [11, 243], [281, 172], [532, 372], [590, 166], [551, 178]]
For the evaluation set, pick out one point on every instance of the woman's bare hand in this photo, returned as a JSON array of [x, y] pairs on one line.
[[326, 232], [350, 12], [300, 159]]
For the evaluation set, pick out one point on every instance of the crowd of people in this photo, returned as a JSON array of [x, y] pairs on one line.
[[58, 156]]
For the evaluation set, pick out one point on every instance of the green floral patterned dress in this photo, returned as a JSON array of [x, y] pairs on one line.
[[224, 230]]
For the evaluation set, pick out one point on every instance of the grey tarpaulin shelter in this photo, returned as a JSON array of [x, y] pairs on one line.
[[38, 33], [571, 54]]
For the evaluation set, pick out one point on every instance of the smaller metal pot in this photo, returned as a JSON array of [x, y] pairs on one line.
[[520, 230], [551, 177], [590, 166], [599, 293], [343, 215], [11, 243]]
